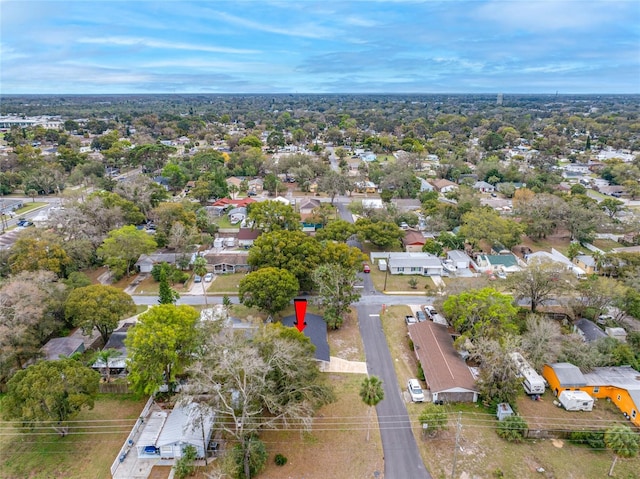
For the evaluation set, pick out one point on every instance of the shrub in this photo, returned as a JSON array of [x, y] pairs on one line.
[[257, 458], [420, 372], [184, 466], [280, 460], [593, 439], [512, 429]]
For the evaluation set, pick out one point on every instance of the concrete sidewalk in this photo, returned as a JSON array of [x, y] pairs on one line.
[[339, 365]]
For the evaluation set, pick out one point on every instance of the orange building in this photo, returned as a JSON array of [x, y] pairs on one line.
[[620, 384]]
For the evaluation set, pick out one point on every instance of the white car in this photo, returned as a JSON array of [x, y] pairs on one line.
[[415, 391], [208, 277]]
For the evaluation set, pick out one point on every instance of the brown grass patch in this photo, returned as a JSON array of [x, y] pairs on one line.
[[346, 342]]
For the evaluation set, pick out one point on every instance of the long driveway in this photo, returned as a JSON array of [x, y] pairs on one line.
[[401, 457]]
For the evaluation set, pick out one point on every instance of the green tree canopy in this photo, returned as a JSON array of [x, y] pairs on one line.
[[37, 250], [272, 215], [336, 230], [481, 313], [371, 393], [98, 306], [486, 224], [335, 286], [122, 248], [51, 391], [623, 441], [382, 234], [291, 250], [269, 289], [161, 345]]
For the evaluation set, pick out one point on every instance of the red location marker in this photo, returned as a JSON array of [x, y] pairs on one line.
[[301, 310]]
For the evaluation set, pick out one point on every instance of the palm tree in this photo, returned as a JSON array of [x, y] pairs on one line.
[[233, 189], [371, 392], [104, 356], [200, 268], [622, 441]]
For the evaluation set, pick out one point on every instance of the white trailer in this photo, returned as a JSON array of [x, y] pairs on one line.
[[532, 382], [576, 401]]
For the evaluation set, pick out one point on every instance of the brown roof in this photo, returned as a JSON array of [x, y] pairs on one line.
[[248, 234], [441, 183], [413, 237], [443, 367], [233, 258]]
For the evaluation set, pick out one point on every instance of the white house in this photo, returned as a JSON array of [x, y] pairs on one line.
[[187, 425], [424, 264]]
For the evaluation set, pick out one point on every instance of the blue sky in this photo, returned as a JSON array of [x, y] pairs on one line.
[[137, 46]]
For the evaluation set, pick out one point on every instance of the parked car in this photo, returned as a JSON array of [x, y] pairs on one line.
[[410, 319], [430, 311], [421, 316], [415, 390], [208, 277], [197, 279], [366, 268]]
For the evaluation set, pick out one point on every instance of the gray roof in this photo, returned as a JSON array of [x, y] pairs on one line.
[[569, 375], [316, 331], [457, 255], [427, 260], [586, 259], [590, 330], [57, 347], [183, 425], [624, 377]]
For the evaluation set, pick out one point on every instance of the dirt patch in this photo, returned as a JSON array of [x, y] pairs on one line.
[[559, 443], [159, 472], [346, 343]]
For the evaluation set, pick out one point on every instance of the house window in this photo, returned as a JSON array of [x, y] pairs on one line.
[[633, 414], [596, 389], [619, 397]]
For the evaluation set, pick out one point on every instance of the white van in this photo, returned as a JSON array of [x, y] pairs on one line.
[[415, 391]]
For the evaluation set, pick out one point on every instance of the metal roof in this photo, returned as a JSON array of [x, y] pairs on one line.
[[569, 375]]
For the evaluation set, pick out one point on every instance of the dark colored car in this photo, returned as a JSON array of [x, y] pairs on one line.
[[420, 316]]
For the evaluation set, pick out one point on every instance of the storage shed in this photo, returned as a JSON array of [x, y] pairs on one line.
[[504, 410]]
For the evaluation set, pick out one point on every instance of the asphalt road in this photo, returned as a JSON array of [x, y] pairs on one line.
[[401, 457]]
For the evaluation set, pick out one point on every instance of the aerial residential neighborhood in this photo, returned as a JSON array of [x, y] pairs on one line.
[[155, 266]]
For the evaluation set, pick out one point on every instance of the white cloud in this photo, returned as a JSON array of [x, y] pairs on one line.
[[151, 43], [305, 31]]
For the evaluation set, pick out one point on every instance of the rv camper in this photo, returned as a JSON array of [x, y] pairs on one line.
[[532, 382], [576, 401]]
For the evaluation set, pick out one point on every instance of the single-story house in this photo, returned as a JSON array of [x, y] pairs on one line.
[[234, 181], [556, 257], [282, 200], [316, 331], [237, 215], [425, 185], [146, 261], [588, 330], [444, 186], [366, 187], [484, 187], [448, 377], [619, 384], [229, 262], [507, 263], [186, 425], [307, 205], [587, 263], [424, 264], [256, 185], [459, 258], [57, 348], [117, 364], [372, 204], [246, 236], [413, 241], [162, 181], [406, 204]]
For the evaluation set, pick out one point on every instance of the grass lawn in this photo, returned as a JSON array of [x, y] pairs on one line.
[[395, 329], [337, 446], [89, 453], [223, 222], [225, 283], [399, 282], [30, 206]]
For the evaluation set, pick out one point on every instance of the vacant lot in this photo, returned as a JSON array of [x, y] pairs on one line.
[[399, 282], [225, 283], [86, 453]]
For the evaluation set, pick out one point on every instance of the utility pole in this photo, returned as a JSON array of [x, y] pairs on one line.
[[386, 272], [455, 451]]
